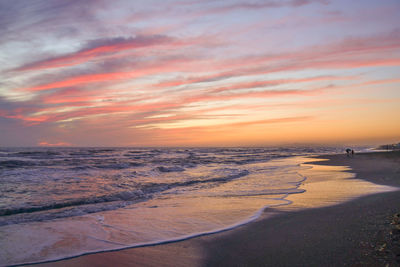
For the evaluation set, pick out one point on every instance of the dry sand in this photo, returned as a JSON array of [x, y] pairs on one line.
[[360, 232]]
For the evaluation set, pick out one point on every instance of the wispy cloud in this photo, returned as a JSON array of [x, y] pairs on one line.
[[97, 49], [227, 6], [188, 68], [43, 143], [271, 121], [75, 80]]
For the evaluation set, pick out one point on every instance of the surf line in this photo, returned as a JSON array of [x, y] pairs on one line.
[[252, 218]]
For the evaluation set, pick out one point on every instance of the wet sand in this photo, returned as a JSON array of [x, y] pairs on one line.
[[358, 232]]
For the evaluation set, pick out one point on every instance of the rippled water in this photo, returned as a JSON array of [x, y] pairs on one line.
[[61, 202]]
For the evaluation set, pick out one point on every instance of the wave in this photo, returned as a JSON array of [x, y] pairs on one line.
[[170, 169], [125, 195], [11, 164], [123, 198], [37, 153], [118, 166], [183, 237]]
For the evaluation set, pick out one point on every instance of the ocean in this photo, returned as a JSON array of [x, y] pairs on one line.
[[57, 203]]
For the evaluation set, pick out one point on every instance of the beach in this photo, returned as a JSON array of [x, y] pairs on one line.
[[359, 231], [199, 133]]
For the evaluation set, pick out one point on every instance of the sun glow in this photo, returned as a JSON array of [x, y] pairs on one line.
[[214, 73]]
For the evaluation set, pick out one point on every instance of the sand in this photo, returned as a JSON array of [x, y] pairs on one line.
[[357, 232]]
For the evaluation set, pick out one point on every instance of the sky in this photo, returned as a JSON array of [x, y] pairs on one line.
[[199, 72]]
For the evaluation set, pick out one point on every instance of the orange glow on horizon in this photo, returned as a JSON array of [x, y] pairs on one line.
[[213, 73]]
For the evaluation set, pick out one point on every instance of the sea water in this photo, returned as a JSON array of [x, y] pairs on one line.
[[57, 203]]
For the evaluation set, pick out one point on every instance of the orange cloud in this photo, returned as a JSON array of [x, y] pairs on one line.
[[269, 121], [54, 144], [254, 94]]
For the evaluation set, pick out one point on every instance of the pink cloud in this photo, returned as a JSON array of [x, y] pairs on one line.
[[111, 76], [350, 53], [256, 84], [114, 48], [54, 144], [75, 96], [270, 121], [243, 5], [97, 48]]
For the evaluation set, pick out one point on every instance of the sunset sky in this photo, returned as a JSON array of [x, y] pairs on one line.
[[199, 72]]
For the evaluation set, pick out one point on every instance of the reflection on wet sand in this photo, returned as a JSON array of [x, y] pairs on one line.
[[330, 185]]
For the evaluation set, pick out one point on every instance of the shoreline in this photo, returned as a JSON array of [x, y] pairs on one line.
[[259, 214], [197, 251], [370, 172]]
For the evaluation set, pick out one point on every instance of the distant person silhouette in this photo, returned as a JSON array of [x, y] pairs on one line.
[[348, 151]]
